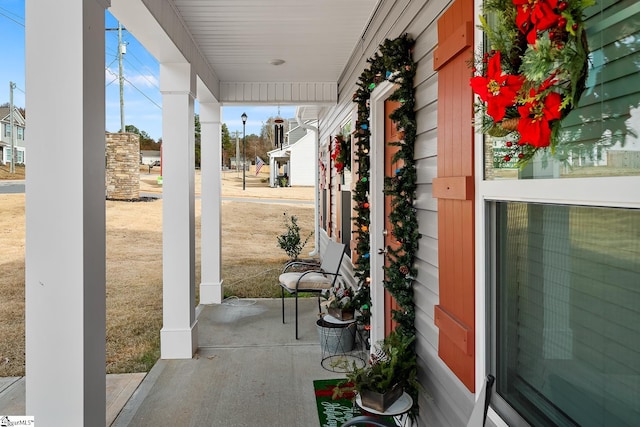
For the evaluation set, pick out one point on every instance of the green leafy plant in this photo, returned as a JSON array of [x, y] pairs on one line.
[[393, 363], [290, 241]]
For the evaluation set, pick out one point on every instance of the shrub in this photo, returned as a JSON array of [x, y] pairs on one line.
[[290, 241]]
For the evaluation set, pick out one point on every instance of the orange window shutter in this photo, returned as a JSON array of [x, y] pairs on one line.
[[455, 315]]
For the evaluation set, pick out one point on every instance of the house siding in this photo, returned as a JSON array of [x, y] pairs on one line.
[[302, 156], [445, 401]]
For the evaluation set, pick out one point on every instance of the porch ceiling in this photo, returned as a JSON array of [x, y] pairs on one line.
[[239, 38]]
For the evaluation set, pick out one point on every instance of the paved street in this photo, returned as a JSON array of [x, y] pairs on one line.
[[11, 187]]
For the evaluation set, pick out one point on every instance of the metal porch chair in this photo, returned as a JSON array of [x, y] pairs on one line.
[[315, 280]]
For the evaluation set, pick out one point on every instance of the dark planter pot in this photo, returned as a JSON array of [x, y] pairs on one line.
[[380, 401], [341, 313]]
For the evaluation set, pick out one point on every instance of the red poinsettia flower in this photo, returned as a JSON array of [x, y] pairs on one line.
[[535, 115], [335, 153], [497, 89], [535, 15]]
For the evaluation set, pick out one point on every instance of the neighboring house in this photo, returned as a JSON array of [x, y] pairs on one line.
[[150, 157], [294, 162], [535, 279], [5, 136]]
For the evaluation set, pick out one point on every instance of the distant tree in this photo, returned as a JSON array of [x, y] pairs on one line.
[[257, 146], [146, 142], [198, 138], [228, 147]]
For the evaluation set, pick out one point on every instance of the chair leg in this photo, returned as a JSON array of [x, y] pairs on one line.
[[296, 315], [282, 290]]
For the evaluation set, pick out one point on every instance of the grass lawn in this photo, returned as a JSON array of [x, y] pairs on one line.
[[251, 262]]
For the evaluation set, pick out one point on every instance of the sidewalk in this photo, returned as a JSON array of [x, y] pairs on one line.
[[120, 387]]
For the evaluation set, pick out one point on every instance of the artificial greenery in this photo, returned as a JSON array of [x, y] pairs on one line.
[[339, 296], [392, 363], [341, 153], [394, 63], [532, 74], [290, 241]]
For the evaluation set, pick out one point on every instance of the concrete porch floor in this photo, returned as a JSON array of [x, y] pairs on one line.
[[249, 370]]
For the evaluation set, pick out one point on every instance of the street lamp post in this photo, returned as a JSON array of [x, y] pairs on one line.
[[244, 150]]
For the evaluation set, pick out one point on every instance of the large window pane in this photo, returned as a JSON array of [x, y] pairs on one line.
[[568, 313], [602, 136]]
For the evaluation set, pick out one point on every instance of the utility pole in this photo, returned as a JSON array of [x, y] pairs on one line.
[[122, 49], [12, 168]]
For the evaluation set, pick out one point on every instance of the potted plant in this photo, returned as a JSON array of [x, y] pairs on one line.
[[339, 302], [391, 368]]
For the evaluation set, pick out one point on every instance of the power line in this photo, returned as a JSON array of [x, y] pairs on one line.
[[115, 77], [2, 9], [133, 86], [143, 94], [143, 75]]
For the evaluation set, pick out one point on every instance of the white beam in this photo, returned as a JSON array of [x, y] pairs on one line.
[[65, 214], [293, 93], [158, 27]]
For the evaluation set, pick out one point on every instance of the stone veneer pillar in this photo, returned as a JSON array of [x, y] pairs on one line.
[[123, 166]]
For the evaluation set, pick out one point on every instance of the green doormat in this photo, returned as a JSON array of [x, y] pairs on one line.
[[334, 413]]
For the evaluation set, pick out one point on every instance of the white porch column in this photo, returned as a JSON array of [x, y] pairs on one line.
[[178, 337], [211, 290], [65, 214]]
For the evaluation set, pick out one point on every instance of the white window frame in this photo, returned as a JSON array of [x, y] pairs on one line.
[[619, 192]]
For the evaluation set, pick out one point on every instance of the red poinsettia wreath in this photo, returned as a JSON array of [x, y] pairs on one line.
[[340, 154], [533, 75]]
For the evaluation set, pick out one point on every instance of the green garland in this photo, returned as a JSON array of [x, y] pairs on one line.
[[394, 63]]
